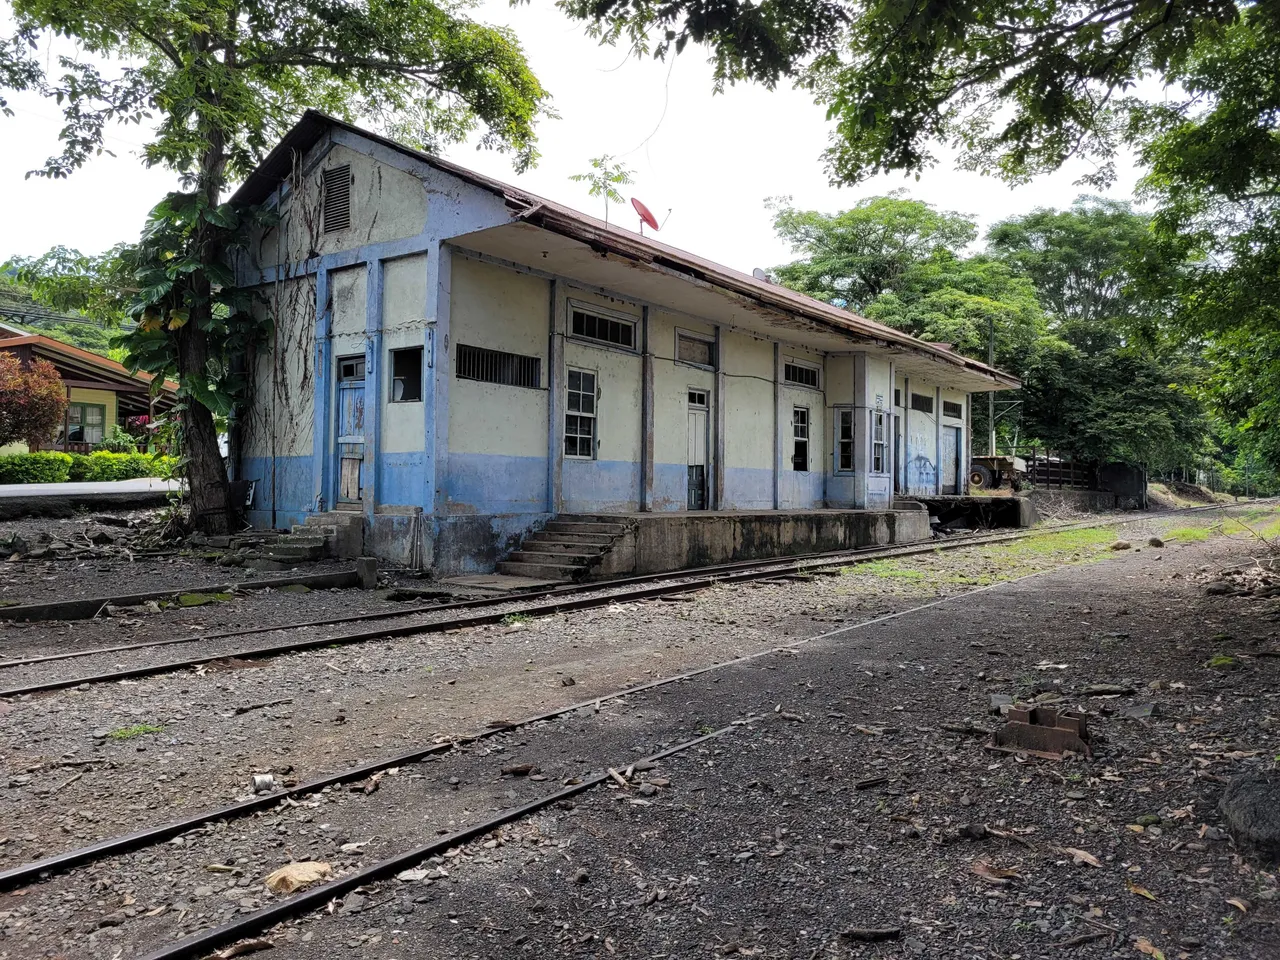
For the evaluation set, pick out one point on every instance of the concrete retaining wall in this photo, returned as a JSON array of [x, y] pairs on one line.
[[660, 543]]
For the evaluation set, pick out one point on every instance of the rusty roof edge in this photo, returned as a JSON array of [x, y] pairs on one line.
[[568, 223]]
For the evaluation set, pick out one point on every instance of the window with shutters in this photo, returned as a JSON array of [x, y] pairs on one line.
[[952, 409], [922, 402], [496, 366], [580, 415], [602, 328], [336, 203], [800, 439], [800, 374]]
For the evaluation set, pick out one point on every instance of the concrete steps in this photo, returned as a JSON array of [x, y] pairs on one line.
[[334, 534], [565, 549]]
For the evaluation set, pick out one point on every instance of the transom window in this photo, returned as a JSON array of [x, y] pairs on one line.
[[952, 409], [603, 329], [844, 440], [800, 374], [695, 350], [580, 415], [878, 446], [351, 368], [800, 439], [697, 398], [85, 422], [922, 402]]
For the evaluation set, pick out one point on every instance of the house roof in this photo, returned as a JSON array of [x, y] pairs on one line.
[[608, 238], [83, 360]]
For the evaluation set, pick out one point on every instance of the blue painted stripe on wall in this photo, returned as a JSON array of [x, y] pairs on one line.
[[486, 483], [293, 485], [402, 481], [748, 488], [801, 491], [600, 486]]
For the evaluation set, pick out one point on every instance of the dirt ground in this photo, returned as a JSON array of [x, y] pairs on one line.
[[757, 844]]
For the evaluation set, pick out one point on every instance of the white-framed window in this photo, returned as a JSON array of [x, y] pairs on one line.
[[696, 349], [697, 397], [587, 322], [879, 420], [580, 415], [844, 440], [800, 439], [801, 374]]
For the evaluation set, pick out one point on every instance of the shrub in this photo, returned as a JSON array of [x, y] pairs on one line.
[[118, 441], [102, 465], [35, 468]]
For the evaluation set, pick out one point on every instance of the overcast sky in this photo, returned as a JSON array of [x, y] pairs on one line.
[[712, 160]]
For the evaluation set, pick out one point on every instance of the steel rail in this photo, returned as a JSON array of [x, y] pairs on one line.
[[574, 588], [688, 582], [113, 846], [202, 943]]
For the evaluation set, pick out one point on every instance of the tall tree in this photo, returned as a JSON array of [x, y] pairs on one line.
[[222, 79]]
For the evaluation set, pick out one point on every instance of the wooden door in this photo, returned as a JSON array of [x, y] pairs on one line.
[[351, 430]]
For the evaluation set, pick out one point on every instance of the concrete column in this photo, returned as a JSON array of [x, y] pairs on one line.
[[555, 400], [937, 427], [718, 458], [906, 436], [861, 432], [322, 456], [890, 447], [438, 448], [646, 414], [374, 388], [777, 426]]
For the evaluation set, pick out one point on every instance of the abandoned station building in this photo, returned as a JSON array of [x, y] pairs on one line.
[[461, 370]]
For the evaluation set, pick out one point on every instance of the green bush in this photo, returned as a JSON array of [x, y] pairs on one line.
[[35, 468], [102, 466]]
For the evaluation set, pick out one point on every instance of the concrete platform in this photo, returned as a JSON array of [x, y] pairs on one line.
[[663, 542], [64, 499]]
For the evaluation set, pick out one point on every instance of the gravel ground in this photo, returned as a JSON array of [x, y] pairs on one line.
[[353, 704]]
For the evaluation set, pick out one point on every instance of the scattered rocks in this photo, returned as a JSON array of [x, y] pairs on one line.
[[1251, 804], [1120, 545]]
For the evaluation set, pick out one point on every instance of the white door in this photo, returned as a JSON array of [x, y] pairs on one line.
[[697, 455]]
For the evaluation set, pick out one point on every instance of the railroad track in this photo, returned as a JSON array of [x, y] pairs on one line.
[[564, 599], [201, 943]]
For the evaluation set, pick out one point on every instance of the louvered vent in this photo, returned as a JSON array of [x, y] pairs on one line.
[[337, 198]]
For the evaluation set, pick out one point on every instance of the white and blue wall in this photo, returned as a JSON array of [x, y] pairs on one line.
[[454, 478]]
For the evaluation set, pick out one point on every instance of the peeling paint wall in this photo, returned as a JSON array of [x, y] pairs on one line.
[[748, 422]]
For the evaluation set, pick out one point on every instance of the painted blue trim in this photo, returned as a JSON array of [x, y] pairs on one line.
[[481, 483], [600, 486], [324, 375], [374, 388]]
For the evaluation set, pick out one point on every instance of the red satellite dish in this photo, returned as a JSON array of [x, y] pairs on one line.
[[645, 215]]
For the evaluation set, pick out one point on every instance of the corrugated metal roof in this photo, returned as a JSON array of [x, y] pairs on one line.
[[549, 215]]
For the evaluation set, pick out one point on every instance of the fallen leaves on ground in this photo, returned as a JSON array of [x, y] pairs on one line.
[[1080, 856], [1143, 945], [999, 876], [1142, 892]]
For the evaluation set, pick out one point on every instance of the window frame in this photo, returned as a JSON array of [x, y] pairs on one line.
[[391, 374], [579, 415], [797, 439], [578, 306], [84, 423], [843, 414], [879, 418], [345, 223], [536, 361], [708, 339], [952, 416], [923, 396], [803, 365]]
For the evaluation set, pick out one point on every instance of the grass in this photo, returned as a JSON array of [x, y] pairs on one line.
[[137, 730], [1188, 534], [885, 569], [513, 618]]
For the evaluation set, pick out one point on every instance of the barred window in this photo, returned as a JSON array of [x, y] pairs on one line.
[[952, 409], [495, 366], [922, 402]]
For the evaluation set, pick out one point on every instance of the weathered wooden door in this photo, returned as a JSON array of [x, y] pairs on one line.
[[697, 458], [950, 457], [350, 430]]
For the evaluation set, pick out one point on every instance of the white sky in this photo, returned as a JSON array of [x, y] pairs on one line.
[[712, 160]]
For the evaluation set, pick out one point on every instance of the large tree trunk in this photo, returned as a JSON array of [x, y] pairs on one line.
[[206, 473]]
